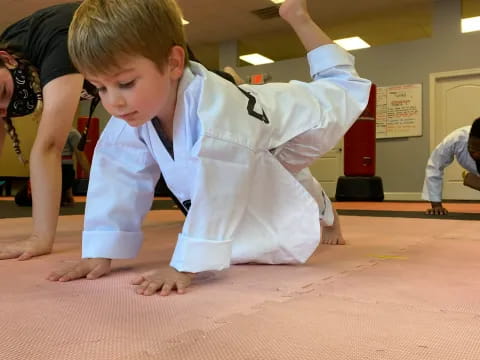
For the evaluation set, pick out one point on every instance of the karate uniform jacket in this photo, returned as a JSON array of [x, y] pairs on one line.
[[454, 146], [245, 206]]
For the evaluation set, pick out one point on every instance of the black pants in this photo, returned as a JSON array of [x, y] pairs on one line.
[[24, 195], [68, 176]]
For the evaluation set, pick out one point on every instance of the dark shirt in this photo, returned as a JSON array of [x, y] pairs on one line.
[[163, 138], [42, 39]]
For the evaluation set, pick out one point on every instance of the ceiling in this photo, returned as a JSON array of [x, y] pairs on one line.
[[213, 21]]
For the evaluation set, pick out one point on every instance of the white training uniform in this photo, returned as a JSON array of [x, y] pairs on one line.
[[231, 164], [454, 146]]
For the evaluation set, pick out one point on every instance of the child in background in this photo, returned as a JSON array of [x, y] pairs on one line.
[[236, 157], [70, 150], [462, 144]]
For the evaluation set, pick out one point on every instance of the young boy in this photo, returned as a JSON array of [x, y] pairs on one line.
[[236, 157]]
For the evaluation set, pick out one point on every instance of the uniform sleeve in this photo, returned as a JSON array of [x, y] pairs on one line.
[[329, 104], [341, 94], [120, 193], [441, 157], [221, 193]]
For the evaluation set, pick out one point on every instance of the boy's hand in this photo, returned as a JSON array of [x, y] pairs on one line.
[[26, 249], [86, 268], [165, 280], [437, 209]]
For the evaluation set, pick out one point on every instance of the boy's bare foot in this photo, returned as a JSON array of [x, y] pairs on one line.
[[332, 235], [238, 79], [294, 11]]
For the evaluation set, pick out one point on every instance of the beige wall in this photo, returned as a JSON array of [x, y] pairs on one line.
[[401, 162], [9, 163], [27, 129]]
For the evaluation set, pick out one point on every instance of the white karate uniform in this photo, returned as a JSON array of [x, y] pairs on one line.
[[232, 164], [454, 146]]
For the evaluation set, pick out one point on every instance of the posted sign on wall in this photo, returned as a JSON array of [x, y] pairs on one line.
[[399, 111]]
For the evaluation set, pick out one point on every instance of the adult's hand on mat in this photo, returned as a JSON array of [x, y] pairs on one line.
[[26, 249], [86, 268], [164, 280], [437, 209]]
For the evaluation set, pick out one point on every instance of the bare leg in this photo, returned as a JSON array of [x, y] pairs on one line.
[[332, 235]]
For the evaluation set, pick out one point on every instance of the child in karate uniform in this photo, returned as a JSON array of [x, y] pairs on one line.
[[463, 145], [236, 157]]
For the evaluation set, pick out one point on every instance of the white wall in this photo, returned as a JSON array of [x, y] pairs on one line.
[[401, 162]]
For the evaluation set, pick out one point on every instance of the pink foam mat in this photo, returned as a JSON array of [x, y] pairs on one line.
[[401, 289], [464, 207]]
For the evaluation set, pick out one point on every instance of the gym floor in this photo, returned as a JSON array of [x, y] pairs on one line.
[[405, 287]]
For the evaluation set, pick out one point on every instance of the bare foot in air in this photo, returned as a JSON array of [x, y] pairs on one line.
[[238, 79], [332, 235]]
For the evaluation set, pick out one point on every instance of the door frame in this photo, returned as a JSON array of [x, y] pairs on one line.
[[434, 79]]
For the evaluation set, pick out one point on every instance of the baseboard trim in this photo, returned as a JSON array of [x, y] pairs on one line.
[[403, 196]]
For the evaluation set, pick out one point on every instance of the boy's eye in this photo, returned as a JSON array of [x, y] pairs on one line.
[[127, 85], [101, 89]]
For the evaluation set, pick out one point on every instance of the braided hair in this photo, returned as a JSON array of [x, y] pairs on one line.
[[36, 86]]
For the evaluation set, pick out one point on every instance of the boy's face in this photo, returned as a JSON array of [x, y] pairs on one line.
[[138, 91]]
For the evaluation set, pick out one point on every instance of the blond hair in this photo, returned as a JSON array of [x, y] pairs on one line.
[[104, 30]]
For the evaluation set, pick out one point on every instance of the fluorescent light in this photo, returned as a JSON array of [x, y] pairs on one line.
[[352, 43], [256, 59], [471, 24], [277, 1], [185, 22]]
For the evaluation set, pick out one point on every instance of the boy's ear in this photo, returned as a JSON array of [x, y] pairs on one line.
[[8, 59], [176, 62]]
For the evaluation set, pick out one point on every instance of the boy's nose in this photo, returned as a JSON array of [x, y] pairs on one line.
[[118, 102]]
